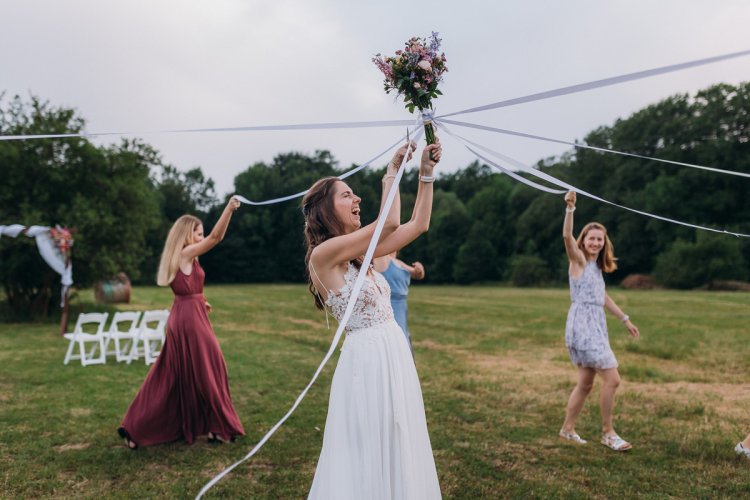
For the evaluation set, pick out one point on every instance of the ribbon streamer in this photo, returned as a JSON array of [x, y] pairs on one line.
[[594, 148], [500, 168], [570, 187], [302, 193], [582, 87], [347, 314], [258, 128]]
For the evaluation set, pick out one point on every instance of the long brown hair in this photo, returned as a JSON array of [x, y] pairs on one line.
[[321, 223], [180, 236], [606, 260]]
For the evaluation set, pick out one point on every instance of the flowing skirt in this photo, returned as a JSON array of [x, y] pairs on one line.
[[375, 444], [586, 337], [186, 392]]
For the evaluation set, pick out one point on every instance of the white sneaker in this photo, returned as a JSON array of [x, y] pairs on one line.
[[741, 450]]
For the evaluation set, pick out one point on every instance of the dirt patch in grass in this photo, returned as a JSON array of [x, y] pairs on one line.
[[534, 370], [72, 446], [80, 412], [5, 391], [306, 322], [726, 400]]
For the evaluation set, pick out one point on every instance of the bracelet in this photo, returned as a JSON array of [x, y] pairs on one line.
[[625, 318], [570, 210], [426, 178]]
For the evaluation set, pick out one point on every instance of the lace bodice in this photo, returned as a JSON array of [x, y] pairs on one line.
[[373, 304], [589, 287]]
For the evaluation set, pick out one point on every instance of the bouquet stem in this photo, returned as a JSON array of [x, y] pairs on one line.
[[429, 135]]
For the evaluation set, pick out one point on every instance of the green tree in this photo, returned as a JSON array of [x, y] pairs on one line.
[[266, 243], [105, 194], [691, 264]]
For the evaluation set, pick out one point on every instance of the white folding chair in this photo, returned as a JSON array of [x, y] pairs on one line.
[[151, 334], [79, 336], [121, 335]]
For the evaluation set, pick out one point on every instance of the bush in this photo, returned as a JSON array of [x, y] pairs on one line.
[[692, 264], [528, 270]]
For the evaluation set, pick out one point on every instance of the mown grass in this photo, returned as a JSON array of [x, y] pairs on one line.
[[495, 378]]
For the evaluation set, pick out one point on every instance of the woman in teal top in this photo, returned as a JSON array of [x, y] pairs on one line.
[[399, 275]]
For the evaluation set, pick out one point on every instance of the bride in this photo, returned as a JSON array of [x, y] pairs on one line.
[[375, 444]]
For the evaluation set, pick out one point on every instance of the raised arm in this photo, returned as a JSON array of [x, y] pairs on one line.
[[610, 306], [575, 255], [416, 270], [349, 246], [420, 218], [190, 252]]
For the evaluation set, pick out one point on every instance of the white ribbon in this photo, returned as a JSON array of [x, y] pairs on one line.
[[594, 148], [569, 187], [303, 193], [582, 87], [48, 250], [337, 336], [502, 169], [258, 128]]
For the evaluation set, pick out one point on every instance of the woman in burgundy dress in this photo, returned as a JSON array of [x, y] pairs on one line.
[[186, 392]]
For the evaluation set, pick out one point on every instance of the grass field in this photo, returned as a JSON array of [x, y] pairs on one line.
[[495, 377]]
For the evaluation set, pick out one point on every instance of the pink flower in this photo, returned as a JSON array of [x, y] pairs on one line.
[[425, 65]]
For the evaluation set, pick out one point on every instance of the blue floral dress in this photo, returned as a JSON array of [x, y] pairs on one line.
[[586, 329]]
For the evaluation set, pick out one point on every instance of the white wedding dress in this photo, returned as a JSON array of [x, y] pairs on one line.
[[375, 444]]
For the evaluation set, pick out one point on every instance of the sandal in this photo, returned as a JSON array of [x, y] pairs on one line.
[[129, 443], [615, 442], [741, 450], [215, 438], [572, 436]]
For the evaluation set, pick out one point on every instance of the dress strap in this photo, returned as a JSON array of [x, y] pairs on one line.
[[325, 306]]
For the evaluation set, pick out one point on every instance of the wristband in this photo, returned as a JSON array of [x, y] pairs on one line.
[[570, 210], [625, 318], [427, 178]]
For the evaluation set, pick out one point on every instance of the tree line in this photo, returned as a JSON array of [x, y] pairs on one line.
[[121, 199]]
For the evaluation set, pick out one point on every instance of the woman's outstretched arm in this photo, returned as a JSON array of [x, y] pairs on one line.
[[610, 306], [575, 255], [215, 236], [420, 219]]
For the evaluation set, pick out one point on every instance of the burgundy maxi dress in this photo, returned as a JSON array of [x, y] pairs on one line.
[[186, 392]]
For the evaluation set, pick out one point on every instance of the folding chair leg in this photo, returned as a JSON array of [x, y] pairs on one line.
[[133, 351], [102, 351], [82, 348], [107, 339], [147, 351], [119, 349], [70, 351]]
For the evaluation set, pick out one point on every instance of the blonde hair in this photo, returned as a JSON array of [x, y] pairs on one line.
[[180, 236], [606, 260]]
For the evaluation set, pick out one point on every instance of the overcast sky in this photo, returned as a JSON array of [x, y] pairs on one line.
[[141, 65]]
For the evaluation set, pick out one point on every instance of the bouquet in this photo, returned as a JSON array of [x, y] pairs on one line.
[[63, 240], [415, 73]]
